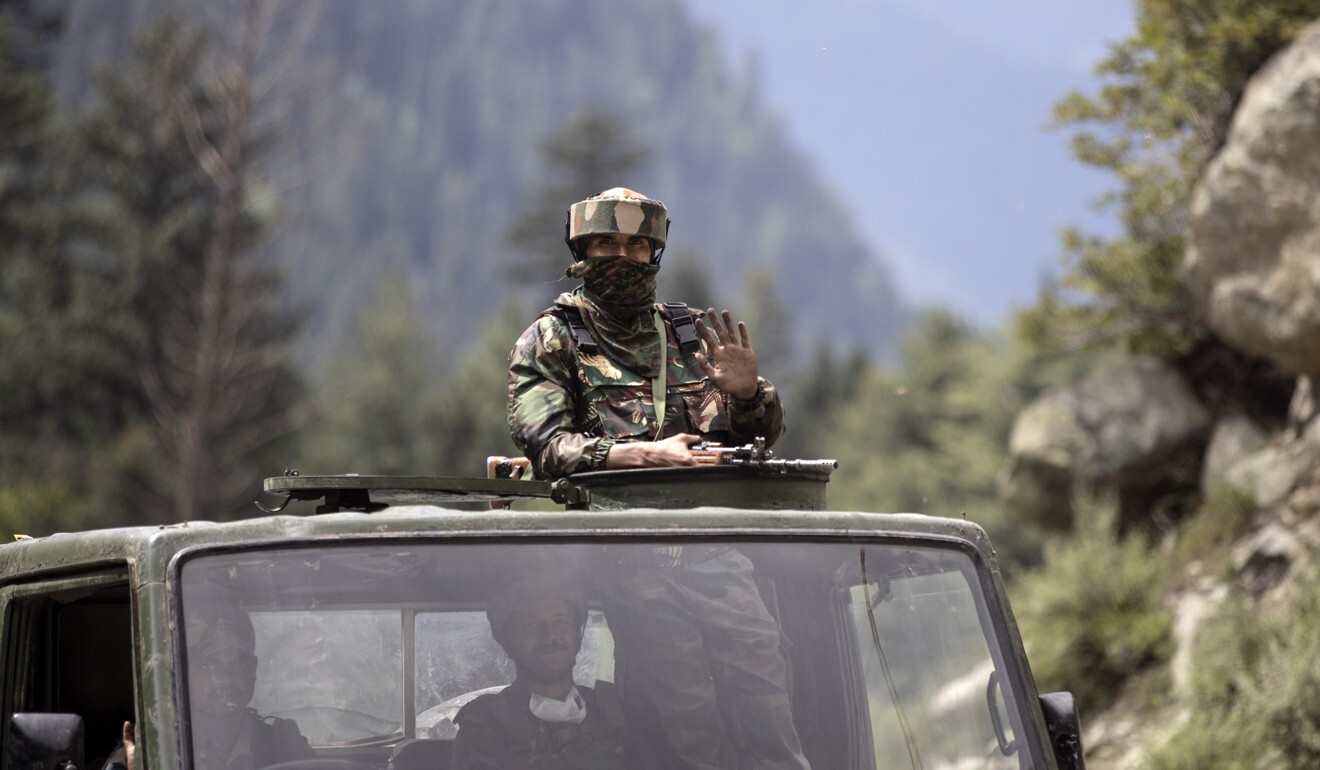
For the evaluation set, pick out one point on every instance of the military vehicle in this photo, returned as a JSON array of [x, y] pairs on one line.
[[370, 630]]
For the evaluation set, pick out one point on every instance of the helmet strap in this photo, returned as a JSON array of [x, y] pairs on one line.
[[576, 250], [660, 252]]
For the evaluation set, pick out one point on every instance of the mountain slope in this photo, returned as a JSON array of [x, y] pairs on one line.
[[432, 118]]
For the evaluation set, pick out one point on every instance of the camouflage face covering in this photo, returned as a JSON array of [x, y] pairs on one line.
[[617, 297], [625, 285]]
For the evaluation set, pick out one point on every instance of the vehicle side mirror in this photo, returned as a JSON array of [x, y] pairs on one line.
[[45, 742], [1065, 729]]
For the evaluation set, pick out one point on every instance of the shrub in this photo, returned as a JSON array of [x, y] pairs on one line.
[[1256, 690], [1223, 515], [1093, 614]]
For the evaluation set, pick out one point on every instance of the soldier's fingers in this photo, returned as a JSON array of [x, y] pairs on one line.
[[716, 324], [745, 335], [707, 335], [702, 362], [728, 326]]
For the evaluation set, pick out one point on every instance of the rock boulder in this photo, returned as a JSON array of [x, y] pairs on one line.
[[1128, 429], [1253, 256]]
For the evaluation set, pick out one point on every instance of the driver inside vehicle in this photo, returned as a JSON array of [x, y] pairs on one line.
[[544, 719], [222, 676]]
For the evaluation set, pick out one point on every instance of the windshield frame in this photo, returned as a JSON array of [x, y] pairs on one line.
[[995, 615]]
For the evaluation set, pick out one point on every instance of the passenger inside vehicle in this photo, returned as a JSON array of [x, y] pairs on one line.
[[543, 718]]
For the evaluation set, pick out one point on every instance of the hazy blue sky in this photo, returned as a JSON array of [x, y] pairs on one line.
[[930, 118]]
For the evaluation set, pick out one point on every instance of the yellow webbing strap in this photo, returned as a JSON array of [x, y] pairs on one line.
[[658, 386]]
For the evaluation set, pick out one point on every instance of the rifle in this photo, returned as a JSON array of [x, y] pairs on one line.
[[753, 455], [756, 455]]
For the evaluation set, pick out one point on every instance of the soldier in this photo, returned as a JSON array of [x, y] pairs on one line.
[[542, 720], [606, 379], [222, 675], [587, 390]]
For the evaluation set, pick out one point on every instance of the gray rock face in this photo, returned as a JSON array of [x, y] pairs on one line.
[[1253, 257], [1122, 429], [1234, 438], [1275, 471]]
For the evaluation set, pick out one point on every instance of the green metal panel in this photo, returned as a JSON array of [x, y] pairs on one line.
[[678, 488], [723, 502], [158, 722]]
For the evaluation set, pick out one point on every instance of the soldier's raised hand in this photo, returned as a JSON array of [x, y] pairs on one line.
[[731, 364]]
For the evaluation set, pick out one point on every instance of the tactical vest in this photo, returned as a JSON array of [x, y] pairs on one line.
[[678, 314], [612, 402]]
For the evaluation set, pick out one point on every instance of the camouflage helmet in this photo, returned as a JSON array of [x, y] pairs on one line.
[[616, 210]]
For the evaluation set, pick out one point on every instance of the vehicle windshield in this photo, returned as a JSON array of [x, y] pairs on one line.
[[837, 654]]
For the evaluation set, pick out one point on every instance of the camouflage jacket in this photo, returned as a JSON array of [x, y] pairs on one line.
[[567, 408]]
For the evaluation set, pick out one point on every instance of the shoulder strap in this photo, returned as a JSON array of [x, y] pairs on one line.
[[581, 335], [679, 314], [685, 328]]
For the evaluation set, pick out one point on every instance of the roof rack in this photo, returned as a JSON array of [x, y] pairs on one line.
[[353, 492], [773, 485]]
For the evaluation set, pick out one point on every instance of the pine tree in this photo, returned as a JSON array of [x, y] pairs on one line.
[[173, 149], [386, 419], [592, 153], [768, 321]]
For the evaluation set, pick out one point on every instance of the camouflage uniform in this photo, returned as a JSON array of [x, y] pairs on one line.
[[566, 409], [498, 731], [689, 621], [697, 651]]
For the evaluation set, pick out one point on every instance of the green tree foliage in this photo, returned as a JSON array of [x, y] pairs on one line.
[[591, 153], [437, 113], [767, 320], [59, 391], [174, 151], [685, 277], [403, 409], [387, 416], [826, 385], [146, 344], [25, 105], [475, 414], [1164, 111], [931, 436]]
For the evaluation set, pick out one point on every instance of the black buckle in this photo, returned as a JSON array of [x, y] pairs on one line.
[[685, 328], [585, 342]]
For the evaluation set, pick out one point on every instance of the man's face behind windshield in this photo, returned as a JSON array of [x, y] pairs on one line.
[[222, 683], [543, 640]]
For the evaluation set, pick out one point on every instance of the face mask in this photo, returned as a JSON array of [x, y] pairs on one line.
[[617, 280], [571, 709]]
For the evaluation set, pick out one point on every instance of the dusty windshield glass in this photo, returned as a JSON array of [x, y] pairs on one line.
[[770, 654]]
